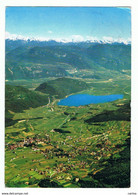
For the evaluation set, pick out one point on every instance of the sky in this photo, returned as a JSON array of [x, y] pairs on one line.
[[69, 23]]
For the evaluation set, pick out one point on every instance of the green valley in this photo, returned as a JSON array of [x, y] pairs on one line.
[[75, 147], [52, 146]]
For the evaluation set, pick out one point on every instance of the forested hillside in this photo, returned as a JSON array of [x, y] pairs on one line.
[[62, 86], [34, 60]]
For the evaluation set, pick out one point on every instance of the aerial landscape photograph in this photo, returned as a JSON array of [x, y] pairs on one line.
[[67, 97]]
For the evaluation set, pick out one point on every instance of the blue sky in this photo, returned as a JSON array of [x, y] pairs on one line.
[[69, 23]]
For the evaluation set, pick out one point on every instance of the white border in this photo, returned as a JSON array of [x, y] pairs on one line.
[[134, 130]]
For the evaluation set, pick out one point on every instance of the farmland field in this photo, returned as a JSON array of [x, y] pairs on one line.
[[75, 147]]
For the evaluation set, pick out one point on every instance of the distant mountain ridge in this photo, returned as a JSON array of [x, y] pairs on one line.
[[35, 59], [13, 43]]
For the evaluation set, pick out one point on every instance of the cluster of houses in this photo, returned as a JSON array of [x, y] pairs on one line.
[[28, 142]]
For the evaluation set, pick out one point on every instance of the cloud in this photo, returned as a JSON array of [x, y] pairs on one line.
[[50, 32], [15, 36], [77, 38], [20, 37]]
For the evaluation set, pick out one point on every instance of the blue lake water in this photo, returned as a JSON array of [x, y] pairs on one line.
[[85, 99]]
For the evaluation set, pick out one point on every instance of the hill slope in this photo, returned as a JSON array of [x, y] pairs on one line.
[[18, 98], [113, 57], [62, 87]]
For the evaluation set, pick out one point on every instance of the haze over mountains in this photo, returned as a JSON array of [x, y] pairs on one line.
[[40, 59]]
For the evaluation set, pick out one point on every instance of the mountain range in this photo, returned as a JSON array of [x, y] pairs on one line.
[[41, 59]]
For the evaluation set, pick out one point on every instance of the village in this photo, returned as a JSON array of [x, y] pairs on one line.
[[60, 146], [97, 149]]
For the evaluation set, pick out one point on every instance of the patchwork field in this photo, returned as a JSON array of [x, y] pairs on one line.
[[60, 146]]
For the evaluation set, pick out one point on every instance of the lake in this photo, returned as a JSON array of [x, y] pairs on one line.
[[85, 99]]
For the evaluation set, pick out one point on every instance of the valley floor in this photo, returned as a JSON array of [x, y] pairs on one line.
[[74, 147]]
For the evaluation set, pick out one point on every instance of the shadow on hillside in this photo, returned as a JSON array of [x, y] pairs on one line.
[[117, 172], [98, 124], [61, 131], [10, 121], [121, 114], [46, 183]]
